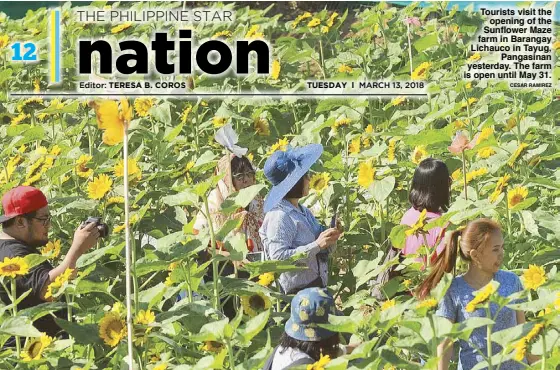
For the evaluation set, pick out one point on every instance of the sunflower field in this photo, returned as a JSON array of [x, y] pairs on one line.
[[73, 148]]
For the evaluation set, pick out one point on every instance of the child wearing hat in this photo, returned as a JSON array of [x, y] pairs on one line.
[[289, 228], [303, 341]]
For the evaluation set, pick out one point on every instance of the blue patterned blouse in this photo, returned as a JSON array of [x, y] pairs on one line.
[[288, 230]]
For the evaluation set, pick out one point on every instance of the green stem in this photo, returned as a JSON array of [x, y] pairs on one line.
[[489, 338], [464, 174], [134, 277], [322, 58], [382, 222], [216, 302], [508, 213], [543, 363], [14, 313], [90, 140], [230, 355], [188, 274], [434, 339]]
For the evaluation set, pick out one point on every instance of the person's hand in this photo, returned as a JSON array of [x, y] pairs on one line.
[[351, 347], [84, 238], [240, 264], [328, 238]]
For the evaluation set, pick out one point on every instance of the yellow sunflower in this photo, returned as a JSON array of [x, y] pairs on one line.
[[115, 200], [219, 121], [145, 317], [418, 225], [486, 152], [212, 346], [474, 57], [52, 249], [35, 347], [391, 150], [113, 119], [341, 122], [300, 18], [333, 16], [262, 127], [58, 282], [282, 145], [314, 23], [120, 27], [481, 296], [476, 174], [419, 154], [520, 349], [517, 195], [398, 101], [225, 33], [534, 277], [266, 279], [388, 304], [345, 69], [319, 182], [484, 134], [12, 267], [99, 186], [275, 69], [320, 365], [427, 303], [133, 169], [4, 41], [255, 303], [354, 147], [81, 169], [517, 153], [112, 329], [142, 106], [420, 72], [366, 174], [185, 114]]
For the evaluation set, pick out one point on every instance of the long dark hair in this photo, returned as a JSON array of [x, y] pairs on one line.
[[430, 186], [474, 236], [328, 346]]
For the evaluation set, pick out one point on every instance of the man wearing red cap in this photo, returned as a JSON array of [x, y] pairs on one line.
[[25, 227]]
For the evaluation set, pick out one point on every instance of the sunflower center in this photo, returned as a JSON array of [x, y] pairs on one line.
[[35, 349], [114, 329], [11, 268], [320, 184], [257, 302], [516, 199]]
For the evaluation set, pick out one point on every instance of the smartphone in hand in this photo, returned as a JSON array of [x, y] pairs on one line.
[[333, 221]]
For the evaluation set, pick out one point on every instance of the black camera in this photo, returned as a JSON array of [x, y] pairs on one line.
[[103, 228]]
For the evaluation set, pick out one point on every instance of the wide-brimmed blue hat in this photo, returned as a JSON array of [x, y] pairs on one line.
[[310, 307], [284, 169]]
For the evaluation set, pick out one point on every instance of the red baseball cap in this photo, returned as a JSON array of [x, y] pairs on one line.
[[22, 200]]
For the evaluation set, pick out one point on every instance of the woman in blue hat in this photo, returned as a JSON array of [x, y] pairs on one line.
[[289, 228]]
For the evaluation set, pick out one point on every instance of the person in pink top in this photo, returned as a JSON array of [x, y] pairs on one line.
[[430, 191]]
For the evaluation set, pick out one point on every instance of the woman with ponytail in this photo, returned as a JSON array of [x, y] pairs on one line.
[[481, 245]]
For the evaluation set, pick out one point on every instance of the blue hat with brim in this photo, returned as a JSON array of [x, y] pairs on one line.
[[310, 307], [285, 168]]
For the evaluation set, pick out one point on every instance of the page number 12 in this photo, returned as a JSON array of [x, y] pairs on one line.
[[29, 49]]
